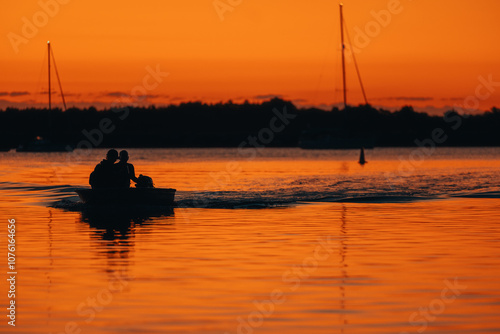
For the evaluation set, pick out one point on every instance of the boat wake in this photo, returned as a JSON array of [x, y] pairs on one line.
[[64, 196], [235, 200]]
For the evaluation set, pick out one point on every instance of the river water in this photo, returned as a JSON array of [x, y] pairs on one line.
[[260, 241]]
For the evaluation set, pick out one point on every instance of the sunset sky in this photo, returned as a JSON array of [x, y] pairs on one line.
[[426, 53]]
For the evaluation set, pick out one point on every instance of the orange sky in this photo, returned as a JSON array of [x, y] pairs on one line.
[[431, 53]]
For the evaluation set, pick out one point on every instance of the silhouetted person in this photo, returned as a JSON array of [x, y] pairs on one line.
[[126, 170], [105, 174]]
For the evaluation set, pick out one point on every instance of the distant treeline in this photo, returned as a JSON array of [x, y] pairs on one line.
[[274, 123]]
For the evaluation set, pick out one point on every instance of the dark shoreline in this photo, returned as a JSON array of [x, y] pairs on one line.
[[274, 123]]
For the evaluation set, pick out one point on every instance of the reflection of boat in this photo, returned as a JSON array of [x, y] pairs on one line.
[[119, 222], [127, 196], [113, 230], [43, 145]]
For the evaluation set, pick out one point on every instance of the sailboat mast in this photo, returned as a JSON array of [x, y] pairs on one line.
[[58, 79], [343, 52], [48, 49]]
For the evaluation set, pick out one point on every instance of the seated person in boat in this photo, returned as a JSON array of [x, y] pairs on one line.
[[126, 170], [107, 174]]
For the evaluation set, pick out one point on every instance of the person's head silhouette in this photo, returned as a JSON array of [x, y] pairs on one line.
[[123, 156], [112, 155]]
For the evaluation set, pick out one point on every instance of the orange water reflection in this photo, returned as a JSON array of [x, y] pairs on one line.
[[307, 268]]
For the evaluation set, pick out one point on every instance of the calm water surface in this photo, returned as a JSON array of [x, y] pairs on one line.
[[269, 241]]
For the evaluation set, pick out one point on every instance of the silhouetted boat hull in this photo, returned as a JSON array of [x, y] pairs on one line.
[[127, 197], [43, 145], [49, 148]]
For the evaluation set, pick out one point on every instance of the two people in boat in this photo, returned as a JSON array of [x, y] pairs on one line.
[[111, 174]]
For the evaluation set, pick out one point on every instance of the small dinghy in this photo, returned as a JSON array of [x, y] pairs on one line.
[[127, 196]]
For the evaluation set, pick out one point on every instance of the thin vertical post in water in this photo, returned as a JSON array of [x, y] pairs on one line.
[[343, 52], [48, 49], [362, 159]]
